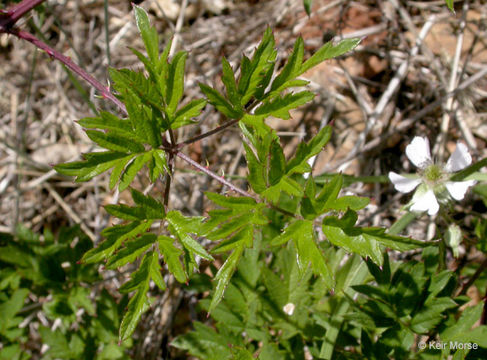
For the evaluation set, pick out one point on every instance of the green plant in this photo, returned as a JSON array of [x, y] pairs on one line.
[[153, 107], [41, 275], [300, 275]]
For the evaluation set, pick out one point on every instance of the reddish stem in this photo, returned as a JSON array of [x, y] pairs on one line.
[[69, 64], [8, 18], [209, 133], [212, 174]]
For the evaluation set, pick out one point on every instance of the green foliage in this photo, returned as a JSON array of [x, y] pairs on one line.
[[449, 3], [364, 241], [307, 6], [298, 275], [33, 268], [389, 309], [415, 299]]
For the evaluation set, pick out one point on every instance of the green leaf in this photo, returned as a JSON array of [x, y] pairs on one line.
[[131, 252], [118, 169], [364, 241], [149, 34], [307, 6], [58, 344], [115, 142], [136, 307], [239, 213], [184, 115], [182, 227], [224, 275], [95, 164], [291, 69], [133, 169], [172, 257], [298, 164], [136, 90], [115, 236], [138, 304], [11, 307], [460, 330], [241, 203], [162, 70], [204, 342], [341, 232], [449, 3], [153, 208], [155, 271], [242, 354], [243, 237], [149, 67], [108, 121], [280, 106], [160, 161], [329, 51], [228, 80], [302, 234], [126, 212], [253, 72], [175, 82], [431, 314], [256, 176], [438, 282], [220, 103]]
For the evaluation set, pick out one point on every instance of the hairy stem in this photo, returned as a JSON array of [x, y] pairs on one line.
[[210, 173]]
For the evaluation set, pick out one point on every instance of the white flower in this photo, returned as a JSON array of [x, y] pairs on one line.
[[433, 179], [289, 308]]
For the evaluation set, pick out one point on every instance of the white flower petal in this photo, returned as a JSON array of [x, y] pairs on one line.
[[458, 189], [289, 308], [402, 183], [425, 202], [459, 160], [419, 152]]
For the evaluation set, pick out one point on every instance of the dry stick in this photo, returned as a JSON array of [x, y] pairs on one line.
[[179, 25], [439, 148], [390, 90], [69, 211], [427, 109], [424, 49], [464, 128]]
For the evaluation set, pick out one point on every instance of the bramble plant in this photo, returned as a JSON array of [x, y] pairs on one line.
[[299, 276]]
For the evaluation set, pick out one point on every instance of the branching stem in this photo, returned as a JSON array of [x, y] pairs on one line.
[[209, 133], [8, 18], [212, 174]]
